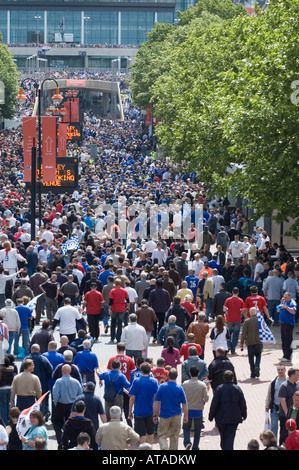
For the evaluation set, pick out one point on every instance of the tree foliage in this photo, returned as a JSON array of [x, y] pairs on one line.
[[9, 77], [222, 85]]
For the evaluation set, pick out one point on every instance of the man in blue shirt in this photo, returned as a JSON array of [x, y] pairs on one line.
[[120, 382], [287, 311], [103, 276], [142, 396], [192, 282], [25, 315], [168, 405], [87, 362], [64, 392]]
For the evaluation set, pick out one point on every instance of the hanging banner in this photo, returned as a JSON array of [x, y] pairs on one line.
[[67, 115], [62, 139], [148, 118], [49, 148], [29, 140], [75, 110]]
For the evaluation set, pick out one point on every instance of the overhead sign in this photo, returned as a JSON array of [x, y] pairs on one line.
[[49, 148], [29, 141], [70, 82], [66, 176], [74, 131]]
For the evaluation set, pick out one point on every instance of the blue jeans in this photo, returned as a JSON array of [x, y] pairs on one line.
[[11, 339], [272, 304], [26, 339], [133, 353], [234, 331], [4, 404], [106, 317], [274, 421], [254, 357], [209, 303], [197, 430]]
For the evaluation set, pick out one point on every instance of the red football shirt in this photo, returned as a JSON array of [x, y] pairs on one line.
[[257, 301], [161, 375], [184, 351], [127, 364], [93, 301], [234, 305], [119, 296]]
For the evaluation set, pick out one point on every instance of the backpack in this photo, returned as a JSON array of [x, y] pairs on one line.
[[110, 392]]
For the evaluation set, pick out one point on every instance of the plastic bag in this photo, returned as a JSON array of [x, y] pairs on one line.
[[267, 425]]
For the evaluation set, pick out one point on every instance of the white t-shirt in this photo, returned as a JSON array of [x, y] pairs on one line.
[[132, 294], [67, 317], [3, 437]]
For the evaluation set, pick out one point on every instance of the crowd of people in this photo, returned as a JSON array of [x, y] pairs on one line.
[[158, 259]]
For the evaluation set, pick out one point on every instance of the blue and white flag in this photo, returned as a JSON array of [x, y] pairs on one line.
[[265, 333], [32, 303], [71, 244]]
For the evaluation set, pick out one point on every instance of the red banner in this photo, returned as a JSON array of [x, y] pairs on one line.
[[74, 83], [29, 141], [74, 110], [148, 118], [49, 148], [62, 139], [67, 115]]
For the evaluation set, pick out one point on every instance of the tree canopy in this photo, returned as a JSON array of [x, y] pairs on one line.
[[222, 83], [9, 77]]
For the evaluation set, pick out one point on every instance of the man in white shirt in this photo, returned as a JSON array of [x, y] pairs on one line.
[[150, 246], [236, 249], [197, 264], [48, 236], [217, 280], [134, 337], [246, 245], [57, 222], [66, 316], [159, 254], [133, 296]]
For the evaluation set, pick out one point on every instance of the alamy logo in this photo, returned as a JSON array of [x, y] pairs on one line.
[[2, 93], [295, 94]]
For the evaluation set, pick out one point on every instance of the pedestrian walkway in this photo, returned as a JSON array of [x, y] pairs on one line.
[[255, 390]]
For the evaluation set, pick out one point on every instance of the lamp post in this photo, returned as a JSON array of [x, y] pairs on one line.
[[56, 98]]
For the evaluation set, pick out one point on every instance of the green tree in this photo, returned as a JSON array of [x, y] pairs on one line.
[[10, 77], [224, 97]]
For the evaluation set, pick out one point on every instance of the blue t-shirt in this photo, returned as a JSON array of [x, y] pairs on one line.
[[192, 282], [144, 389], [120, 381], [55, 358], [285, 316], [24, 314], [172, 396], [86, 361]]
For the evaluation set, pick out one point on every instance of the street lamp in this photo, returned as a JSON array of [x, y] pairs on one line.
[[56, 98], [37, 17]]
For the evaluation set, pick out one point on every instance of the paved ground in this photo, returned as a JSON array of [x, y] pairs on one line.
[[254, 389]]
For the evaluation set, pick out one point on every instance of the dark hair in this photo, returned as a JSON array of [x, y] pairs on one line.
[[145, 368], [194, 371], [170, 344], [228, 376], [115, 364], [173, 373], [80, 406], [39, 415], [82, 438]]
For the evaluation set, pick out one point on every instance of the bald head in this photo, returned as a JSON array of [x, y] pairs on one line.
[[66, 369]]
